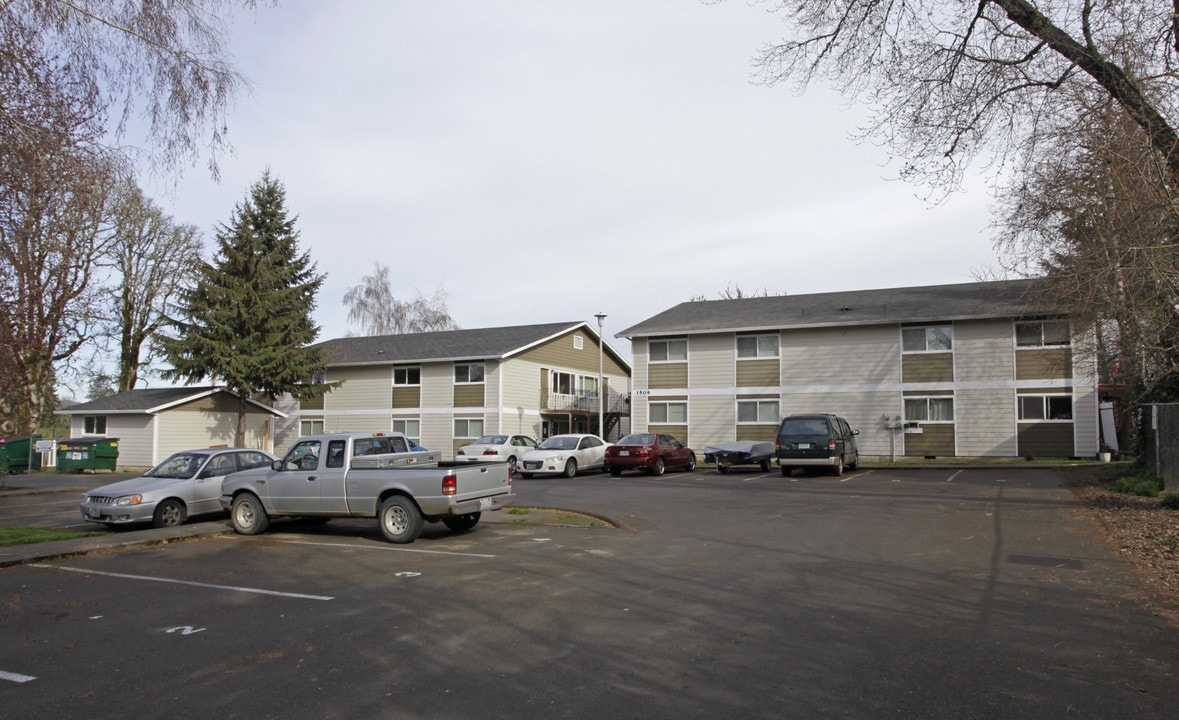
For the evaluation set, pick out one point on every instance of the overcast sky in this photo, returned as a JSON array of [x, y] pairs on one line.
[[545, 161]]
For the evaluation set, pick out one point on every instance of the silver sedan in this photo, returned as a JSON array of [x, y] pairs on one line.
[[187, 483]]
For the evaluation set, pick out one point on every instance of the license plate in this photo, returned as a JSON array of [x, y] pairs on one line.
[[485, 504], [624, 453], [804, 446], [94, 512], [531, 465]]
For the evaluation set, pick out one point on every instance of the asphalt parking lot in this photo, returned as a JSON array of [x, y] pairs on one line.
[[947, 593]]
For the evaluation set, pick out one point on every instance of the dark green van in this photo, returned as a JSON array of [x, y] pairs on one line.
[[816, 440]]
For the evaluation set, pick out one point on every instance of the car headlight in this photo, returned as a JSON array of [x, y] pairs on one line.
[[129, 500]]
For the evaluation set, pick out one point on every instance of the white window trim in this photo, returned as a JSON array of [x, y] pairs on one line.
[[762, 401], [668, 342], [1044, 399], [927, 398], [668, 403], [777, 347], [927, 328], [1041, 345], [469, 381], [407, 368], [405, 431], [468, 422]]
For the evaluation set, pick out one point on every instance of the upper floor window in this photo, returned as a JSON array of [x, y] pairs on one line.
[[468, 373], [667, 350], [310, 427], [1049, 333], [319, 377], [407, 375], [757, 411], [927, 339], [1045, 407], [668, 412], [94, 424], [757, 346]]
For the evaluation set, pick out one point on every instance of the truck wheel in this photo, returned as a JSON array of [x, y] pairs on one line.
[[462, 523], [169, 513], [400, 520], [570, 468], [248, 515], [659, 467]]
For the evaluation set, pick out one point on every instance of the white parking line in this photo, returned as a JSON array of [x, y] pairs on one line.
[[257, 591], [15, 677], [382, 547], [951, 478]]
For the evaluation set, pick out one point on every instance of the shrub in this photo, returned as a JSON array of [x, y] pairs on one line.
[[1146, 485], [1171, 501]]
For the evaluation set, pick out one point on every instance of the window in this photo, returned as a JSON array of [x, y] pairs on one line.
[[407, 375], [668, 350], [589, 386], [757, 346], [757, 411], [669, 412], [1045, 407], [468, 427], [931, 409], [563, 383], [1050, 333], [319, 377], [310, 427], [335, 454], [927, 339], [412, 429], [468, 373], [94, 424]]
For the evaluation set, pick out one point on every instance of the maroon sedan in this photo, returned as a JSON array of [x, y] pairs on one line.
[[653, 452]]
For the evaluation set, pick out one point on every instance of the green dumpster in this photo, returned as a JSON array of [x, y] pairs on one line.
[[87, 454], [19, 454]]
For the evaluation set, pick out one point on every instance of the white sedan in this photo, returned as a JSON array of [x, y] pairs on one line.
[[565, 454], [492, 448]]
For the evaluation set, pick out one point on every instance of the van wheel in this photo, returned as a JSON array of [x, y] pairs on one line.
[[837, 469], [786, 471]]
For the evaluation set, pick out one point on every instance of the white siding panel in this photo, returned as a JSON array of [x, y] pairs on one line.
[[360, 422], [713, 419], [135, 439], [985, 423], [1085, 414], [712, 361], [638, 401], [863, 410], [362, 388], [983, 352], [860, 357]]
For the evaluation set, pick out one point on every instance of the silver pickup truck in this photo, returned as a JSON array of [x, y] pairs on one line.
[[366, 475]]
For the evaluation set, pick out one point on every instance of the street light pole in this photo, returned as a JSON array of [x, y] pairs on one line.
[[601, 402]]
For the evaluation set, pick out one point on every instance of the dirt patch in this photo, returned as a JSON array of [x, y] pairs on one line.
[[546, 516], [1141, 529]]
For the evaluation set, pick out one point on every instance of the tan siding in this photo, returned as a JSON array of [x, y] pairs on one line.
[[986, 423], [934, 440], [315, 403], [862, 410], [679, 432], [928, 367], [406, 397], [1046, 363], [710, 361], [983, 353], [758, 373], [757, 432], [466, 396], [670, 376], [1046, 440], [560, 353], [364, 422]]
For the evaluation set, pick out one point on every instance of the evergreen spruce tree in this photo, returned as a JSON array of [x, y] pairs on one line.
[[247, 323]]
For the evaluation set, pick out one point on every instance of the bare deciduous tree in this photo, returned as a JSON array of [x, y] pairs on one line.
[[373, 305], [162, 63], [153, 259], [947, 81]]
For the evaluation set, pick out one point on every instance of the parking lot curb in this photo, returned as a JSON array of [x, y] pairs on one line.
[[58, 549]]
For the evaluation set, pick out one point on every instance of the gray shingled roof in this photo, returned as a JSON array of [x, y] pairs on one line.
[[932, 303], [147, 400], [478, 344]]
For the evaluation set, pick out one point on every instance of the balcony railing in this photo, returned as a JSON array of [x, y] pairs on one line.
[[615, 402]]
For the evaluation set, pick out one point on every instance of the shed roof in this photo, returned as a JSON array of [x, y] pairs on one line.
[[153, 400], [931, 303]]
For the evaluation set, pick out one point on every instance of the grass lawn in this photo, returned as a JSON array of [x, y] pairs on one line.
[[27, 535]]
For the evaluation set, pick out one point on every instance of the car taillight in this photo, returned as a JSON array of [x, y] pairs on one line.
[[644, 451], [491, 452], [831, 444], [449, 485], [460, 452]]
